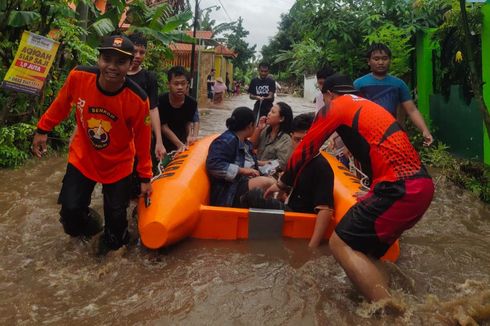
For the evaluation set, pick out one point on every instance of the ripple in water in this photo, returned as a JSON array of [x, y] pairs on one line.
[[441, 277]]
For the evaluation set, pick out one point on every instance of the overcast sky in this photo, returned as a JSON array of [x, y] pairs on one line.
[[260, 17]]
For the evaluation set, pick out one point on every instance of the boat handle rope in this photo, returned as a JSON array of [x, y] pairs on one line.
[[163, 163], [161, 169], [364, 179]]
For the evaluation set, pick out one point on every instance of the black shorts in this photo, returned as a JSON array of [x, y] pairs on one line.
[[379, 218]]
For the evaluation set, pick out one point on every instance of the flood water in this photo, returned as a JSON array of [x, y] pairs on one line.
[[442, 276]]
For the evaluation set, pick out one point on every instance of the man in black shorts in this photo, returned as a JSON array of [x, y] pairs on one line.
[[177, 111], [401, 189], [313, 192], [262, 89]]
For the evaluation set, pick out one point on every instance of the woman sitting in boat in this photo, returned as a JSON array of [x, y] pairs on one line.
[[271, 137], [231, 164]]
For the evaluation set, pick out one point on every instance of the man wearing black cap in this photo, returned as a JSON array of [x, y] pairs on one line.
[[113, 122], [401, 189]]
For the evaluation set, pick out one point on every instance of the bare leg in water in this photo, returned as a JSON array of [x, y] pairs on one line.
[[360, 269]]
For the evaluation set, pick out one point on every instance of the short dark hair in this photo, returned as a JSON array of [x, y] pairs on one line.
[[302, 122], [177, 71], [325, 72], [378, 47], [263, 65], [138, 39], [240, 119]]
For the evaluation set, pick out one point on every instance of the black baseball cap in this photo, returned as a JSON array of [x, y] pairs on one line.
[[119, 43], [341, 84]]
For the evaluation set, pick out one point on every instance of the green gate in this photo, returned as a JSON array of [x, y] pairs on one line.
[[457, 124]]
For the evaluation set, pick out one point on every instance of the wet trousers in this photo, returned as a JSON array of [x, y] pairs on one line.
[[75, 197]]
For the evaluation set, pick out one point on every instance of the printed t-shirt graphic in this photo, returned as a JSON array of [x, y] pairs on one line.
[[262, 87], [104, 146], [371, 134]]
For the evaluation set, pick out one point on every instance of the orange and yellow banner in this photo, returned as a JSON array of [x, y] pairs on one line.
[[31, 64]]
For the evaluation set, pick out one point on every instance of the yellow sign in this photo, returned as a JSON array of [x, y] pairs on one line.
[[31, 64]]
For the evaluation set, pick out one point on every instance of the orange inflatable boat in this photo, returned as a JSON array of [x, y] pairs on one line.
[[180, 207]]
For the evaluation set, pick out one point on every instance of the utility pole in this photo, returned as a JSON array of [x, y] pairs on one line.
[[82, 10], [193, 53]]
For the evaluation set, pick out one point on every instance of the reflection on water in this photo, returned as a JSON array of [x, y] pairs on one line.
[[442, 276]]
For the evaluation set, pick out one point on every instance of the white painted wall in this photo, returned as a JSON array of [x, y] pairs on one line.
[[310, 89]]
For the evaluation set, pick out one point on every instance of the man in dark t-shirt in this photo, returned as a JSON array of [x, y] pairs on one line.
[[177, 111], [148, 82], [210, 84], [314, 189], [262, 89], [401, 189]]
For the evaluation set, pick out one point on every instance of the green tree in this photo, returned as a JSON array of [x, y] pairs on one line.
[[160, 22], [475, 74], [39, 17], [236, 41], [282, 41], [400, 43], [18, 111], [343, 30], [206, 23], [304, 58]]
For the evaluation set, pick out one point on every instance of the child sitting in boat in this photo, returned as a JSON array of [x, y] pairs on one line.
[[271, 137], [231, 164]]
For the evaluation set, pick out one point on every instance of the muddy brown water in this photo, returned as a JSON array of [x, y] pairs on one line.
[[442, 276]]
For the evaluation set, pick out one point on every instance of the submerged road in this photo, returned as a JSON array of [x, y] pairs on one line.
[[442, 275]]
